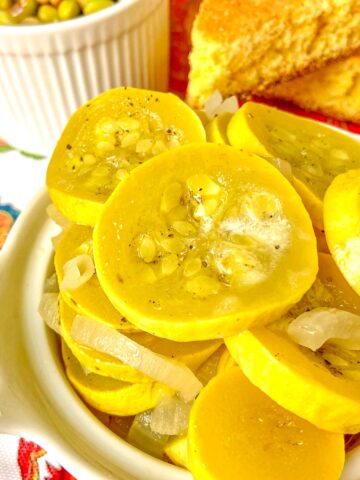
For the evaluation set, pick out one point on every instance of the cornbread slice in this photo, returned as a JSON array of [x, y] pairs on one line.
[[333, 90], [244, 46]]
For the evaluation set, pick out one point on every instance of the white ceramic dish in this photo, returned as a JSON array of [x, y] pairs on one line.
[[36, 399], [47, 71]]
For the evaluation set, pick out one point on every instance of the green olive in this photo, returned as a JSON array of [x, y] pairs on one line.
[[47, 14], [68, 9], [96, 5]]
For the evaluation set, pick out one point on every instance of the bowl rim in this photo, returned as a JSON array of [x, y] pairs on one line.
[[63, 412], [71, 24]]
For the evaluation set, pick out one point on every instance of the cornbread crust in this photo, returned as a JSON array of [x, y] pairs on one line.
[[244, 46], [333, 90]]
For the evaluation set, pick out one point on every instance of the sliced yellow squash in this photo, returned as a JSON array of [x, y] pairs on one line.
[[109, 395], [236, 432], [216, 129], [342, 225], [192, 354], [202, 242], [303, 382], [89, 299], [109, 136], [316, 153]]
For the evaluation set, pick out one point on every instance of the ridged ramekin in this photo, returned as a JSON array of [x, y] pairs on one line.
[[47, 71]]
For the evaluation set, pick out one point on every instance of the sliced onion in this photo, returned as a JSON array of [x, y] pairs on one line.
[[108, 340], [77, 271], [215, 105], [212, 103], [209, 368], [49, 311], [229, 105], [140, 435], [57, 216], [51, 284], [170, 416], [312, 329]]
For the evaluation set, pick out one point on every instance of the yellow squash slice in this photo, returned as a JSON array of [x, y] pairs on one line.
[[342, 295], [342, 225], [321, 387], [316, 153], [89, 299], [298, 379], [109, 136], [109, 395], [216, 129], [192, 354], [202, 242], [177, 450], [237, 432], [329, 290]]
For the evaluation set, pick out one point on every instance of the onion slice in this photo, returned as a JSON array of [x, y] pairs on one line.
[[51, 284], [212, 103], [170, 416], [141, 435], [77, 271], [229, 105], [49, 311], [108, 340], [56, 216], [312, 329], [215, 105]]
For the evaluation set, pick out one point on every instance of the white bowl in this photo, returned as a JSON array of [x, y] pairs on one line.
[[49, 70], [36, 399]]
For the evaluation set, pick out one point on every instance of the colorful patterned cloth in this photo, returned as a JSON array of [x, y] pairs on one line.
[[22, 174]]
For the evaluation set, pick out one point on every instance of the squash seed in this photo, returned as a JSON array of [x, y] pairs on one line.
[[105, 146], [202, 185], [169, 264], [192, 266], [262, 206], [202, 286], [106, 125], [172, 245], [128, 123], [184, 228], [147, 249], [89, 159], [130, 139], [206, 208]]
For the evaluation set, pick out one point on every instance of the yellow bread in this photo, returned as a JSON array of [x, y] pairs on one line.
[[333, 90], [244, 46]]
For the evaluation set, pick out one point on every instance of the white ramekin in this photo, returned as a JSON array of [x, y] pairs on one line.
[[36, 399], [47, 71]]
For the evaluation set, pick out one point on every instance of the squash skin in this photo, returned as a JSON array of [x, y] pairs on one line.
[[137, 198]]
